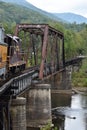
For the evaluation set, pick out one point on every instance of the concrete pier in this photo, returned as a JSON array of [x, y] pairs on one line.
[[18, 113], [39, 105]]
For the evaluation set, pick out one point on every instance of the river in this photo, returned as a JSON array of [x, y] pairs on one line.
[[75, 110]]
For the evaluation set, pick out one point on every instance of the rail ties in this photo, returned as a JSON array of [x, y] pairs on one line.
[[23, 82], [18, 84]]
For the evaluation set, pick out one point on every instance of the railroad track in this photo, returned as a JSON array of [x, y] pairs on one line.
[[21, 81], [18, 82], [2, 82]]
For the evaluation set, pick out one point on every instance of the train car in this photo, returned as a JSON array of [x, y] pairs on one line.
[[14, 55], [3, 54], [11, 57]]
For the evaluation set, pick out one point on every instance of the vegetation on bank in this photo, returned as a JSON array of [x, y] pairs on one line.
[[48, 127], [79, 78]]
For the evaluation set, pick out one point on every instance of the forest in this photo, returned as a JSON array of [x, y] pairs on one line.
[[75, 35]]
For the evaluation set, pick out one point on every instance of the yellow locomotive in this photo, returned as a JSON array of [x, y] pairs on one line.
[[11, 59]]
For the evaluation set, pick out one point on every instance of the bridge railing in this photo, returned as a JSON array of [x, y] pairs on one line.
[[18, 84]]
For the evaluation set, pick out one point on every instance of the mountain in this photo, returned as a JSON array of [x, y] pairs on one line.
[[35, 14], [71, 17], [21, 2], [10, 13], [26, 4]]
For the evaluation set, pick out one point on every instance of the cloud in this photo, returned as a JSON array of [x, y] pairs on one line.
[[59, 6]]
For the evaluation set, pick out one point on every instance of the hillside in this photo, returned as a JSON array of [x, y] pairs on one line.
[[71, 17], [61, 17], [14, 13], [24, 3]]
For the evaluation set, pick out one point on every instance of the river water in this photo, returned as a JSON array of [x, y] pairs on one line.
[[75, 110]]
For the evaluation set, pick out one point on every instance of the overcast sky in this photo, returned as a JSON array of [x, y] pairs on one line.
[[60, 6]]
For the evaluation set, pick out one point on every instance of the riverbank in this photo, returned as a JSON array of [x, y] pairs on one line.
[[62, 91], [79, 90], [74, 90]]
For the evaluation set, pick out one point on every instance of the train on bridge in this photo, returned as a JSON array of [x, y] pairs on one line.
[[44, 48], [10, 54]]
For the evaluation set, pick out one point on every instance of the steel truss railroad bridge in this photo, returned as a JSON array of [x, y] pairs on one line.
[[44, 56]]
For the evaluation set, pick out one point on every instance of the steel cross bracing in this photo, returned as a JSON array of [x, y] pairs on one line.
[[45, 45]]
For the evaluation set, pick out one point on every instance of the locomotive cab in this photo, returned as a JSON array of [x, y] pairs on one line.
[[3, 54], [15, 60]]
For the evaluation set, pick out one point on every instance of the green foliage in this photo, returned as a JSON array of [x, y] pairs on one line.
[[79, 78], [48, 127], [10, 13]]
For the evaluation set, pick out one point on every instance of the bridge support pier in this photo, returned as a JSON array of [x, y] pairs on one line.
[[39, 105], [4, 115], [18, 114]]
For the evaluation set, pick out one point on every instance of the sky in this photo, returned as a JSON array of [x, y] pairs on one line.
[[61, 6]]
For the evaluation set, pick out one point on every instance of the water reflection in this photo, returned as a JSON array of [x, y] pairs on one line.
[[74, 106], [60, 100]]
